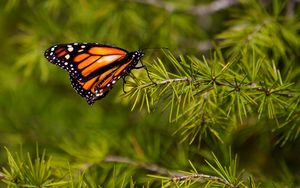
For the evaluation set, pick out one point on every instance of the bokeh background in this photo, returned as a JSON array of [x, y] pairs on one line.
[[39, 107]]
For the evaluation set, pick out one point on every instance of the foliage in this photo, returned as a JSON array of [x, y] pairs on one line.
[[24, 172], [240, 91]]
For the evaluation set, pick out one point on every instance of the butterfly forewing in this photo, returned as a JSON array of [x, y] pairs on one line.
[[93, 68], [82, 59]]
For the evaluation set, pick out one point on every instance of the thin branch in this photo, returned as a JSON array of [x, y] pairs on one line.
[[291, 7], [197, 10], [212, 7], [174, 176], [147, 166], [169, 7], [258, 28]]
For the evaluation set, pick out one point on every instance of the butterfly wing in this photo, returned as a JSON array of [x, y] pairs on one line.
[[93, 68], [82, 59]]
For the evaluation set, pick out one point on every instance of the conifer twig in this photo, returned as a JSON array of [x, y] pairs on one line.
[[167, 81], [250, 86], [195, 177], [175, 176]]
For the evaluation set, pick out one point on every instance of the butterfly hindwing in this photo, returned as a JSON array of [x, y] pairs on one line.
[[89, 96], [93, 68]]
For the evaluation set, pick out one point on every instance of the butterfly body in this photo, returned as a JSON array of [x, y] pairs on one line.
[[93, 68]]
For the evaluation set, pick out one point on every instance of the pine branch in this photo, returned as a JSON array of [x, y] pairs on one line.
[[213, 91]]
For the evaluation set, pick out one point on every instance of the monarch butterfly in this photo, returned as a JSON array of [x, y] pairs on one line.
[[93, 68]]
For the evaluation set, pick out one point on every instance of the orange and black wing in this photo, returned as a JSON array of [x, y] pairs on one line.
[[93, 68]]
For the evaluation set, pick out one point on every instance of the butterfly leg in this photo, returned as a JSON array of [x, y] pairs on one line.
[[124, 82], [145, 67]]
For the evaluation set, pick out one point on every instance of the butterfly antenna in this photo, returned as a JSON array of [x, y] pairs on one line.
[[156, 48]]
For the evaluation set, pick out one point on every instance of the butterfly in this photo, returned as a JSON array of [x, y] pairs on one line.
[[93, 68]]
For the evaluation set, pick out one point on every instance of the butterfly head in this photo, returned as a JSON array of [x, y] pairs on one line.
[[138, 55]]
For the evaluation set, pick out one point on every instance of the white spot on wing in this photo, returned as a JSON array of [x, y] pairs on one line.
[[70, 49]]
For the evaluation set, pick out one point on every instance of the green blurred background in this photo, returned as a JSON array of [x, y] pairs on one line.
[[38, 104], [39, 107]]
